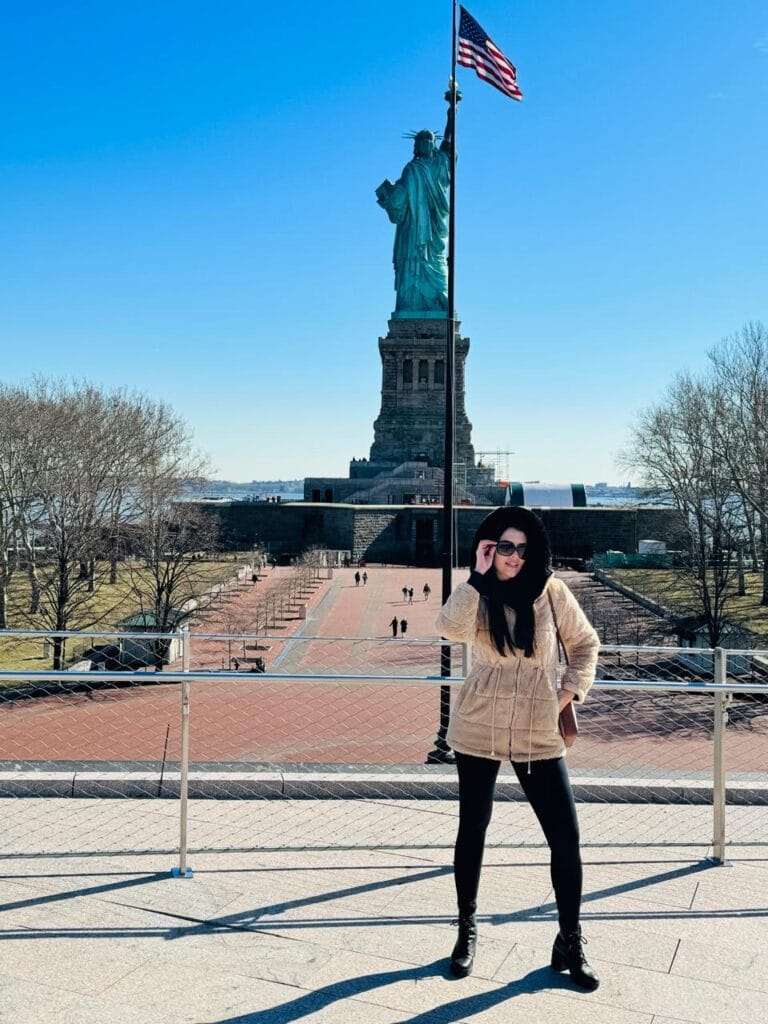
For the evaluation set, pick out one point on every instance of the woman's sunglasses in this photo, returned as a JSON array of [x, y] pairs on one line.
[[506, 548]]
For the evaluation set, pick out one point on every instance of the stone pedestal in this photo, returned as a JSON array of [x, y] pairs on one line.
[[410, 425]]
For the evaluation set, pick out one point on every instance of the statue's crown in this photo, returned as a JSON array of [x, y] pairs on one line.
[[425, 133]]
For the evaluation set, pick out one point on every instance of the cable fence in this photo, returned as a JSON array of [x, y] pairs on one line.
[[331, 700], [107, 726], [254, 741]]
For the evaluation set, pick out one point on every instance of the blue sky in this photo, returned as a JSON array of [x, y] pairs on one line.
[[187, 208]]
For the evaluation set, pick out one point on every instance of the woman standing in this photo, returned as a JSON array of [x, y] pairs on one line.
[[511, 610]]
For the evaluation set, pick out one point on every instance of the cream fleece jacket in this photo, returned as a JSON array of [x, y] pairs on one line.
[[508, 707]]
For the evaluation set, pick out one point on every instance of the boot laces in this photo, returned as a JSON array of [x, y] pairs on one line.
[[575, 943], [466, 920], [466, 924]]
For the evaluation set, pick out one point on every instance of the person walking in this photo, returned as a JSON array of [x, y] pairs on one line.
[[357, 579], [403, 627], [393, 624], [410, 595], [365, 578], [405, 593], [426, 591], [511, 610]]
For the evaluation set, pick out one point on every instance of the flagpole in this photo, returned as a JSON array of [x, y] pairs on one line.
[[450, 452], [450, 341], [442, 753]]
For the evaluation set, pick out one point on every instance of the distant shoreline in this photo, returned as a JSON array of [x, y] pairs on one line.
[[609, 497]]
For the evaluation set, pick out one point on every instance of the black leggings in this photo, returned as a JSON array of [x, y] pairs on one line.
[[548, 790]]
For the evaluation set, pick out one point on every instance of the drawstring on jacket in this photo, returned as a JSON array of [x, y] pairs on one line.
[[497, 670], [530, 728]]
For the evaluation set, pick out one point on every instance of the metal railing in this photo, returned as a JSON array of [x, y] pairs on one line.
[[663, 725]]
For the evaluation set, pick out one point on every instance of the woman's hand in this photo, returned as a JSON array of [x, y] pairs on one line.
[[564, 698], [484, 555]]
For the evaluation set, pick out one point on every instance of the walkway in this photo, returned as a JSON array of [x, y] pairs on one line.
[[349, 934]]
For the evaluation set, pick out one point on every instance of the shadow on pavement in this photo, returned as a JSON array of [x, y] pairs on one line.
[[456, 1010], [94, 890]]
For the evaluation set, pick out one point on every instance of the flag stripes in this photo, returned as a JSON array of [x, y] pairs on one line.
[[477, 51]]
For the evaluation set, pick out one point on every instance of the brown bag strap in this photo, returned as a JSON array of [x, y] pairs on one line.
[[557, 631]]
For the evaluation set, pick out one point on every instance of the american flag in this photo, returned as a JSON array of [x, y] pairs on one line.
[[477, 51]]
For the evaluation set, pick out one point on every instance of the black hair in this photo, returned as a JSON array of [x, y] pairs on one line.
[[521, 591]]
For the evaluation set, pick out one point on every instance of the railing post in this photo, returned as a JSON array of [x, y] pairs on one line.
[[466, 659], [183, 871], [718, 779]]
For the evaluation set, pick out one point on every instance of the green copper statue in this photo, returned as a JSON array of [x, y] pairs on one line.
[[418, 205]]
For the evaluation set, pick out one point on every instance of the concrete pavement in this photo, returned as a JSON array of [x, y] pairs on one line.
[[334, 911], [357, 930]]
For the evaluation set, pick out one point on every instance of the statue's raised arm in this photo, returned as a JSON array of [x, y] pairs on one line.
[[445, 145], [417, 203]]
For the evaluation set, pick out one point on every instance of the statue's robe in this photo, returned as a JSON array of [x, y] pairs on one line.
[[418, 205]]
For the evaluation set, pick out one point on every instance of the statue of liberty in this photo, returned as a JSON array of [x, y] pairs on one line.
[[418, 205]]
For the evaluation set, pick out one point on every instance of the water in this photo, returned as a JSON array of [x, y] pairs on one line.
[[610, 496], [229, 493]]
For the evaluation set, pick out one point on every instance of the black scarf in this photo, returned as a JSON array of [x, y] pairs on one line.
[[519, 593]]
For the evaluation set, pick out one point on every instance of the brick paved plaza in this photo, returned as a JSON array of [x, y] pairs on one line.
[[251, 720]]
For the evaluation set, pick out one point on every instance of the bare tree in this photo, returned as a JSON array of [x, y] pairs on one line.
[[149, 442], [81, 471], [170, 544], [675, 446], [9, 493], [169, 535], [741, 427], [70, 465], [20, 510]]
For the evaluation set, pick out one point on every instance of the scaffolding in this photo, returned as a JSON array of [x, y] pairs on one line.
[[499, 460]]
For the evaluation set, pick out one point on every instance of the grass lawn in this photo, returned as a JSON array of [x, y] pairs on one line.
[[100, 611], [669, 587]]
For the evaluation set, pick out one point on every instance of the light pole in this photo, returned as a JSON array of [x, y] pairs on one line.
[[442, 753]]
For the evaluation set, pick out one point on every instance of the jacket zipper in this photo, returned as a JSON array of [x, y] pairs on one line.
[[514, 705]]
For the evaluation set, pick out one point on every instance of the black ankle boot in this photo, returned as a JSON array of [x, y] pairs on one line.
[[568, 955], [463, 955]]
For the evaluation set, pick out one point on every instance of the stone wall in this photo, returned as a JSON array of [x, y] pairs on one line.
[[581, 532], [411, 534], [380, 535], [286, 529]]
